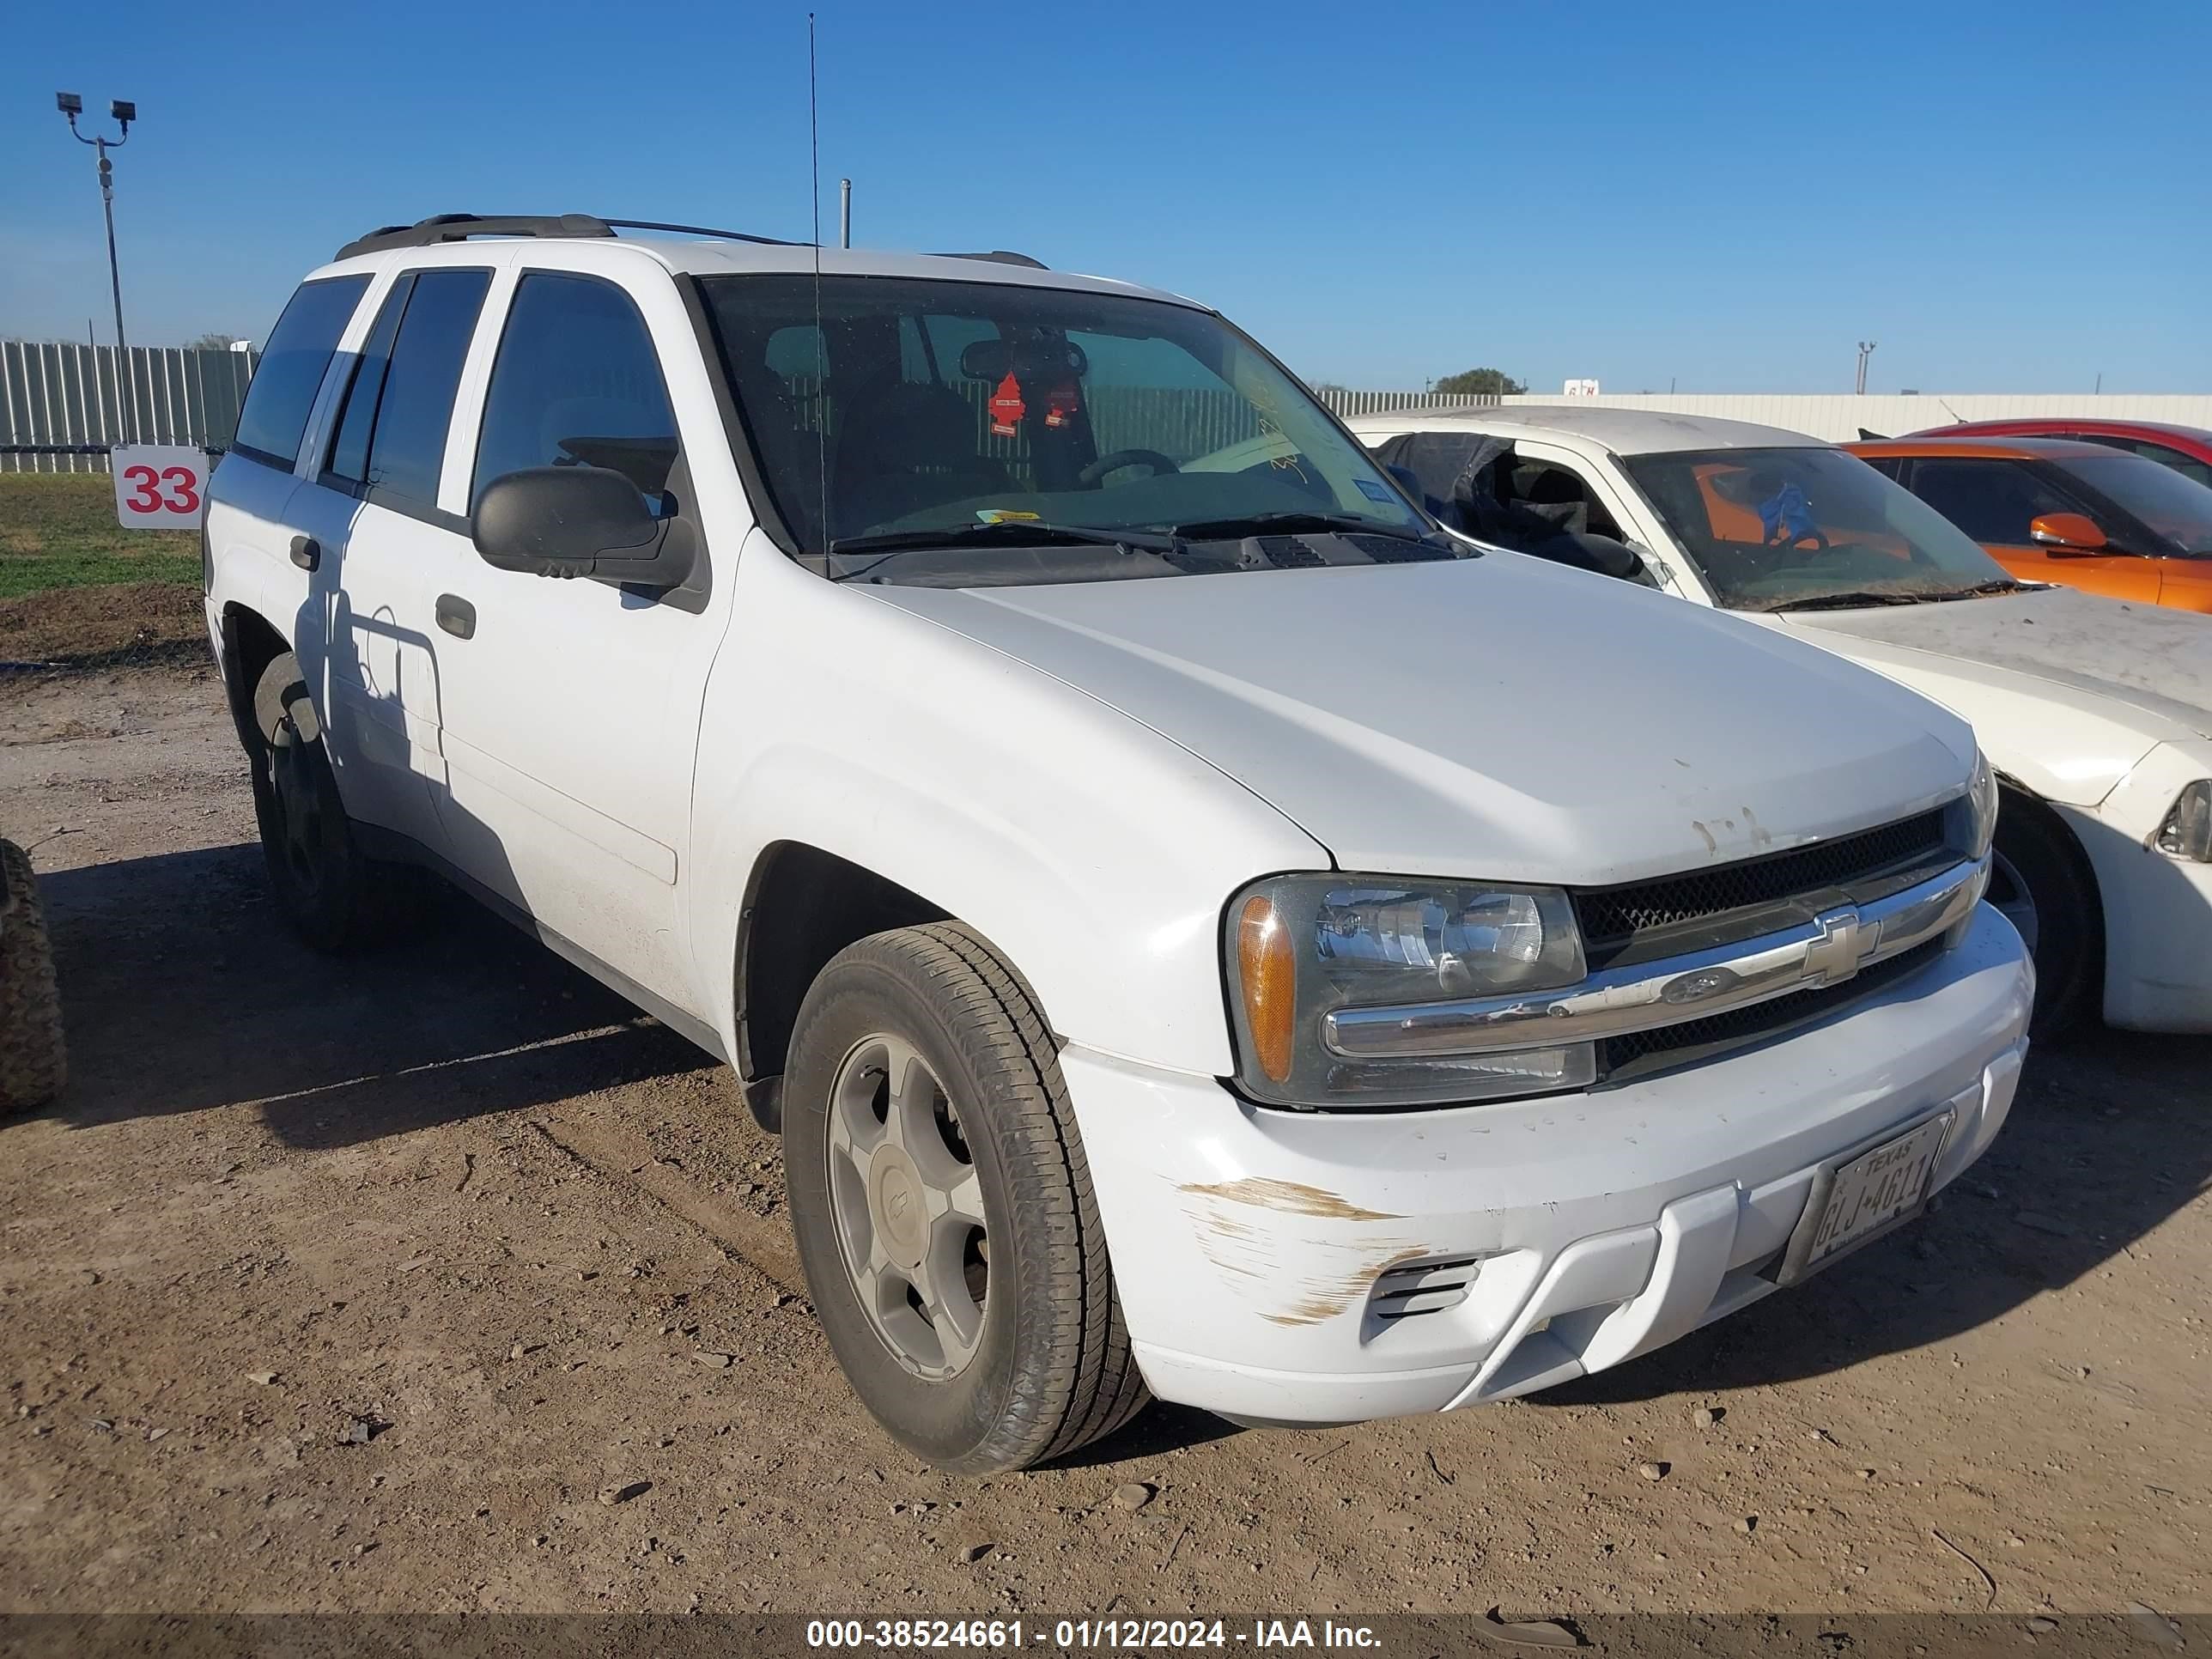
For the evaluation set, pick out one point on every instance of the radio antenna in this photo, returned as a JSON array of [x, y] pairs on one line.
[[821, 342]]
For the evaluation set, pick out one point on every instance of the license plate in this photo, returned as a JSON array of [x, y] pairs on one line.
[[1870, 1194]]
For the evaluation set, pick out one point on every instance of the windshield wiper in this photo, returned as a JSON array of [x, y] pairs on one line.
[[1850, 601], [1001, 532], [1289, 523]]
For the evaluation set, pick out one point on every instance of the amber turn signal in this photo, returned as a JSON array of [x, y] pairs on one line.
[[1268, 973]]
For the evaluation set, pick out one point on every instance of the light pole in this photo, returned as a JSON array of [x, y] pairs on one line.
[[125, 112], [1866, 350]]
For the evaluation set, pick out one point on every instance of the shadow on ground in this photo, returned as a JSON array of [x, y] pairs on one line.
[[183, 990], [2111, 1135]]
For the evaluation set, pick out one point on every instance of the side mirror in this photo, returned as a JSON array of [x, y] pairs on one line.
[[575, 521], [1610, 557], [2067, 533]]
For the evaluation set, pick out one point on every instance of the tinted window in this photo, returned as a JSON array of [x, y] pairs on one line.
[[2187, 465], [576, 384], [348, 458], [282, 394], [408, 449], [1991, 501]]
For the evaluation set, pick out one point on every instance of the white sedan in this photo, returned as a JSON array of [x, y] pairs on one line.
[[2096, 712]]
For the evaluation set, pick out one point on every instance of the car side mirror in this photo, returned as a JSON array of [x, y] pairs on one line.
[[2067, 533], [1612, 559], [576, 521]]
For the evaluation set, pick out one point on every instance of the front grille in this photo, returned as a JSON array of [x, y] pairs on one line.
[[1645, 1054], [1651, 918]]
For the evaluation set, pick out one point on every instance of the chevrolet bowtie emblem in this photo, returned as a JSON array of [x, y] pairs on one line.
[[1833, 956]]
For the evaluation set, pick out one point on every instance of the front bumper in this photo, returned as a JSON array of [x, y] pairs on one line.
[[1540, 1239]]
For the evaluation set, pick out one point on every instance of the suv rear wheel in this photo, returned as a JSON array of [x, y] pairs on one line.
[[944, 1209], [337, 898]]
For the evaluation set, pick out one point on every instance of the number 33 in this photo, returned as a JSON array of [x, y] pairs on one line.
[[146, 496]]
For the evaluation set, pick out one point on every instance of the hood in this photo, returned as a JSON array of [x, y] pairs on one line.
[[2157, 662], [1499, 717]]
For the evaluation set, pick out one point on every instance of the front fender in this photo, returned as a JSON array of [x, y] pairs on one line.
[[1093, 852]]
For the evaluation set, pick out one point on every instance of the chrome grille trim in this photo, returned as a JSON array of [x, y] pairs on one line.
[[1826, 950]]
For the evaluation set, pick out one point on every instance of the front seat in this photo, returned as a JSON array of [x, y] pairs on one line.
[[906, 447]]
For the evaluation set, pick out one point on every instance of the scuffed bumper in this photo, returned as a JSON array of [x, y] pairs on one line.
[[1264, 1259]]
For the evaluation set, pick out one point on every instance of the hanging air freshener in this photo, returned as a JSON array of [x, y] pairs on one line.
[[1007, 407]]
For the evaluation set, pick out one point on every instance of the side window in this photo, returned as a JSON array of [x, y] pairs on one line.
[[1992, 500], [348, 461], [2187, 465], [1891, 467], [299, 351], [416, 408], [576, 384]]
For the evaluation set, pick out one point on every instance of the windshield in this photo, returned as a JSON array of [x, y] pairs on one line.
[[938, 409], [2173, 504], [1773, 529]]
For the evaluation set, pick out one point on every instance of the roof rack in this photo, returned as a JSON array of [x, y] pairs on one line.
[[1000, 256], [460, 227]]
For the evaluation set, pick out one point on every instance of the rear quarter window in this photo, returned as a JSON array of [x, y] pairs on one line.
[[293, 363]]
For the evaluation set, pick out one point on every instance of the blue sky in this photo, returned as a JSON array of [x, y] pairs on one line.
[[1723, 196]]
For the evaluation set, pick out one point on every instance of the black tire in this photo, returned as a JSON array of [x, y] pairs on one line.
[[1051, 1368], [336, 897], [2042, 883], [34, 1058]]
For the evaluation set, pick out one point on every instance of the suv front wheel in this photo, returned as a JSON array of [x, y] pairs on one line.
[[944, 1208]]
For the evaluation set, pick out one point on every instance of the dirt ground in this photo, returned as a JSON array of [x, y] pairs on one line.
[[443, 1281]]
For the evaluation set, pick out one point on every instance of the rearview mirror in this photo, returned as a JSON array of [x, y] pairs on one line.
[[575, 521], [2067, 533]]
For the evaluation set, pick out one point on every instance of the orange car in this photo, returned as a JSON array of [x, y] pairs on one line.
[[2059, 510]]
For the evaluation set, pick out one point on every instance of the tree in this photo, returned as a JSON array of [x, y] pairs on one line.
[[1482, 379], [212, 342]]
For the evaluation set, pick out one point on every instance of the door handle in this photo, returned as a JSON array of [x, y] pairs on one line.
[[306, 552], [456, 615]]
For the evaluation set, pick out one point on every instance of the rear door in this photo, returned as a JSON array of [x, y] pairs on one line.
[[251, 496], [1994, 499], [372, 513]]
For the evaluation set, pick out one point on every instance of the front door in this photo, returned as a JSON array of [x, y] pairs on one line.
[[571, 707]]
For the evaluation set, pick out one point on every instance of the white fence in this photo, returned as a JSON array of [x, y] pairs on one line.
[[1348, 403], [62, 406], [1838, 417]]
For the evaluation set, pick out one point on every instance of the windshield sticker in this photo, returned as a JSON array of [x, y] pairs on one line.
[[1007, 407], [1005, 515], [1373, 491]]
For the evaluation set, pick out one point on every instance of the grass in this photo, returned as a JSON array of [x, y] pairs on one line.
[[59, 530], [77, 587]]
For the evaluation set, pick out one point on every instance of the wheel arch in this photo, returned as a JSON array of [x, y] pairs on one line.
[[250, 643], [2016, 797], [802, 905]]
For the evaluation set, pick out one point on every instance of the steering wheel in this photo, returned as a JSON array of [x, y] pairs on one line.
[[1116, 459]]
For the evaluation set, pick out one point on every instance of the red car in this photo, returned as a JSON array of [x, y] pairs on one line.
[[2187, 449]]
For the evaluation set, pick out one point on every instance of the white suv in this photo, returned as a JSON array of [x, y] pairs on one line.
[[1198, 926]]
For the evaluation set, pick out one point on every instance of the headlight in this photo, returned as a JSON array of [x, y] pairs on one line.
[[2187, 831], [1299, 947], [1982, 804]]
